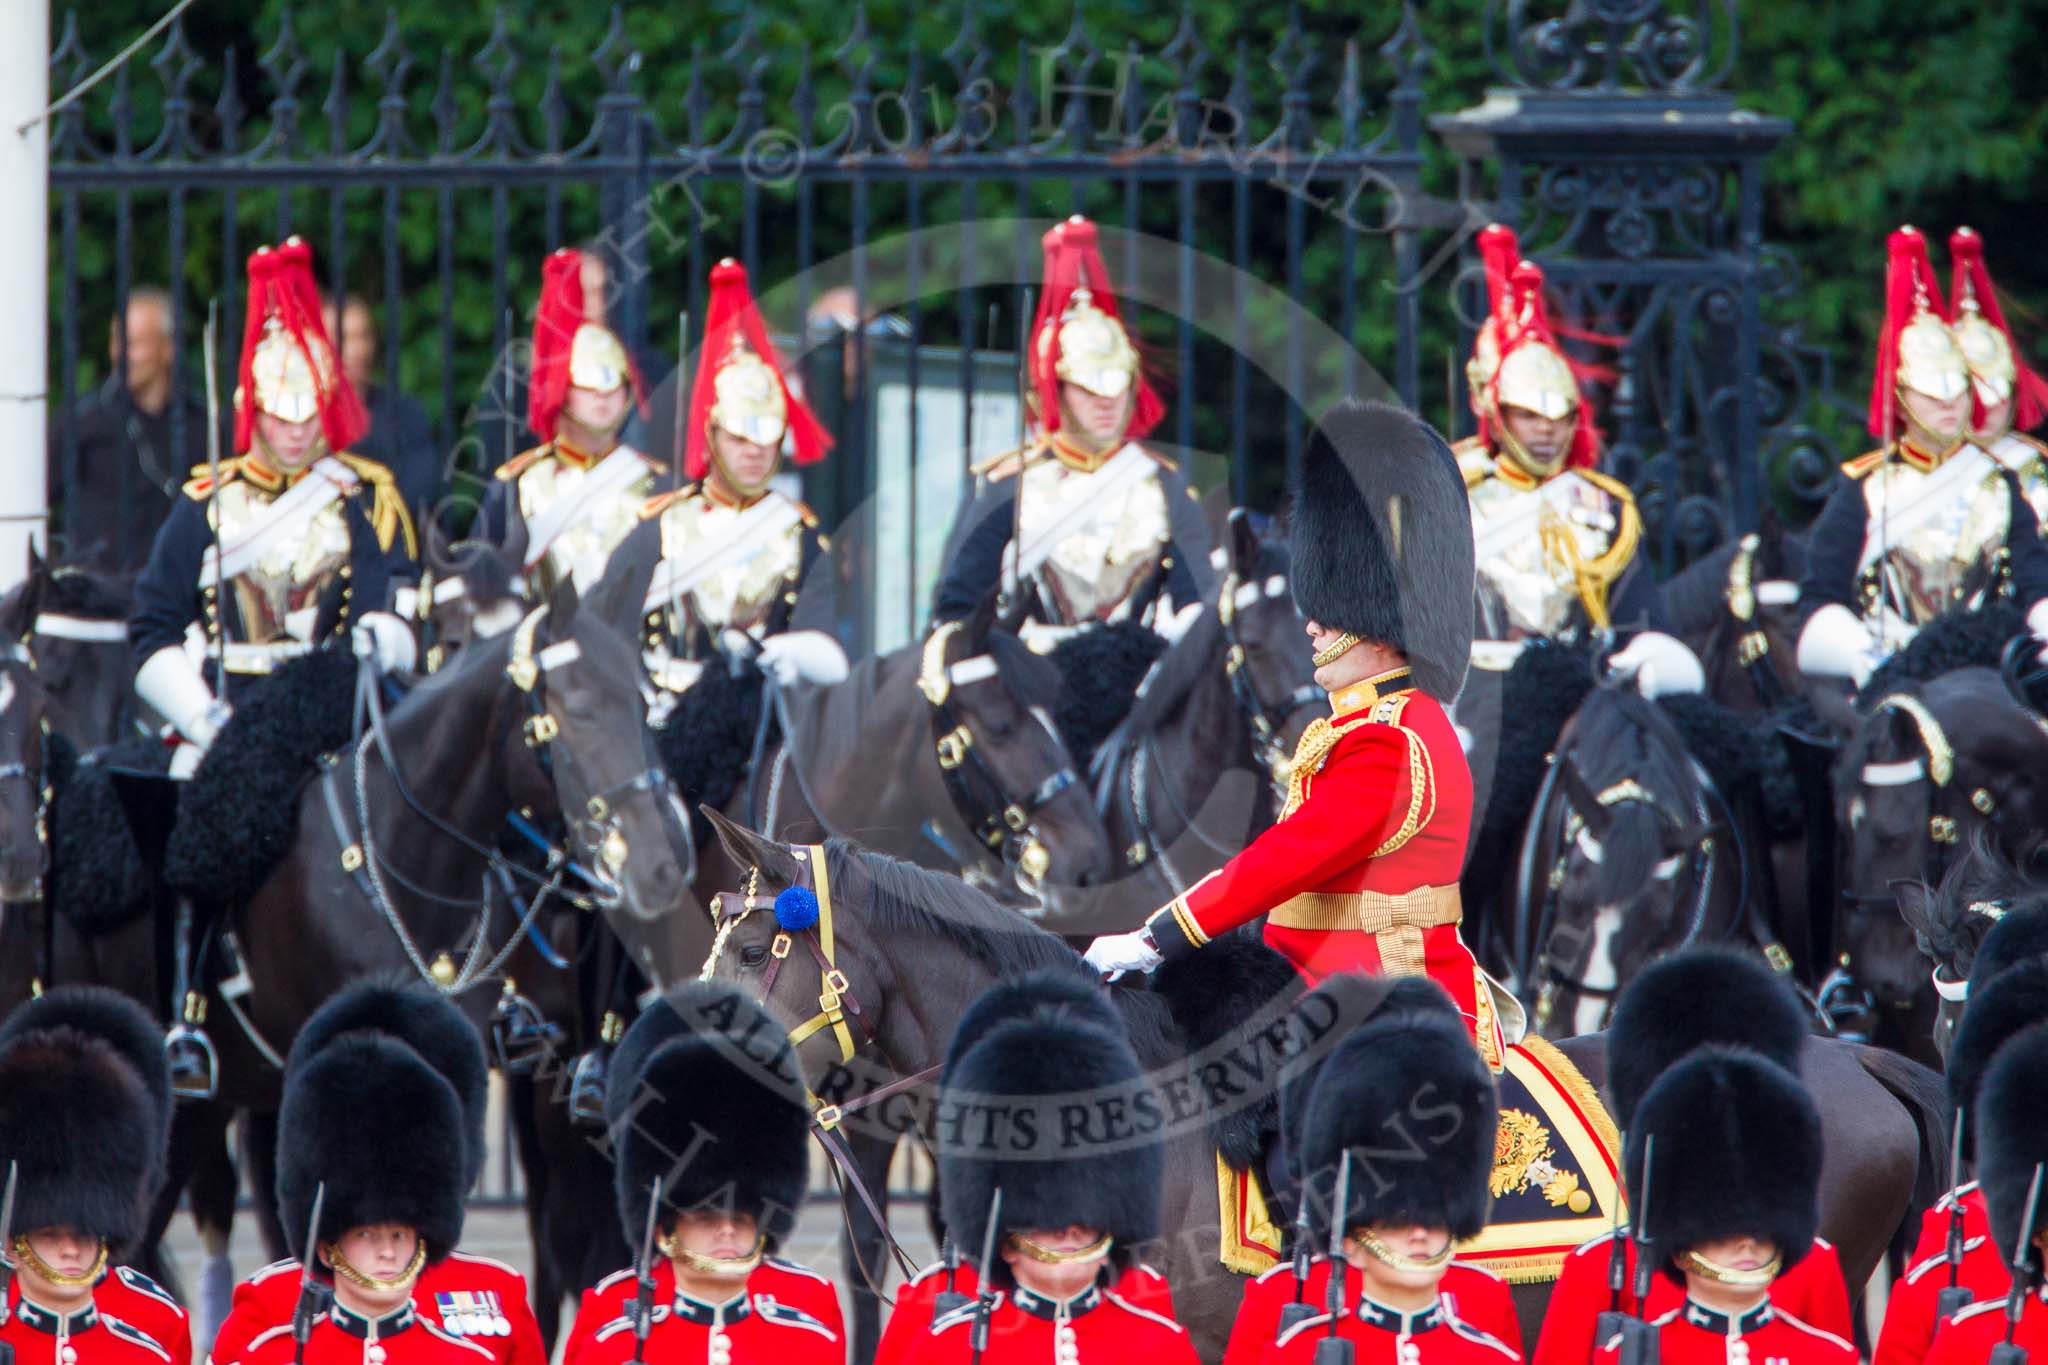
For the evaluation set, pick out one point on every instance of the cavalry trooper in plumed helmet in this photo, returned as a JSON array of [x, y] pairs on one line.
[[1054, 1208], [1397, 1149], [1556, 540], [1361, 871], [2012, 397], [728, 552], [85, 1109], [1723, 1161], [1084, 526], [580, 490], [1679, 1004], [299, 541], [1926, 522], [2012, 1150], [481, 1300], [374, 1160], [711, 1148]]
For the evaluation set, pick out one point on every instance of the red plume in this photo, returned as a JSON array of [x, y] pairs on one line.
[[1528, 323], [1073, 260], [555, 320], [281, 286], [731, 313], [1908, 279], [1969, 278], [1499, 250]]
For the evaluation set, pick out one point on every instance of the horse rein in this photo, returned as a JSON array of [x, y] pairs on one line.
[[976, 791]]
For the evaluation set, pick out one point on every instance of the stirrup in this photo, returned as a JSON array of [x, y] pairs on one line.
[[587, 1087], [193, 1064], [520, 1035]]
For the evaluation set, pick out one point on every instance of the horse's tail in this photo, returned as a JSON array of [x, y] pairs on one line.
[[1925, 1098]]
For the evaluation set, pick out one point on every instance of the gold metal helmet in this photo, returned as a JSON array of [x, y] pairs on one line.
[[1534, 376], [1095, 351], [597, 360], [1931, 359], [287, 386], [1987, 352], [747, 397]]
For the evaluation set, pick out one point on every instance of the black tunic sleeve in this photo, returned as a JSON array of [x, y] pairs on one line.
[[977, 563], [1834, 547], [167, 593], [2028, 556], [1634, 603]]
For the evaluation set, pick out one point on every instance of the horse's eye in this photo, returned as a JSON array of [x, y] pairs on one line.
[[753, 955]]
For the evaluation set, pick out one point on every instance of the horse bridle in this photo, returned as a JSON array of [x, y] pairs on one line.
[[1267, 720], [977, 793]]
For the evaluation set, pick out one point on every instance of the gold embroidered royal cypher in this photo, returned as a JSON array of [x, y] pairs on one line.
[[1091, 571], [289, 575]]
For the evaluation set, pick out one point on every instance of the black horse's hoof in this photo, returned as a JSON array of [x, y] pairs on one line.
[[586, 1088], [194, 1068]]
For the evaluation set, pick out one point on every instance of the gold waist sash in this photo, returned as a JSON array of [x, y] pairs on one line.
[[1395, 922]]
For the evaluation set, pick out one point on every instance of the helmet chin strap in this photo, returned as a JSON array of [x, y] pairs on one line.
[[1394, 1260], [1732, 1277], [745, 492], [717, 1267], [1524, 459]]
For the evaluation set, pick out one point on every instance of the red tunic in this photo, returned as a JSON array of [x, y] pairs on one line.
[[1361, 871], [1386, 1336], [131, 1297], [38, 1337], [404, 1337], [1812, 1291], [1765, 1335], [1096, 1327], [1910, 1316], [783, 1281], [1474, 1294], [471, 1297], [1969, 1336], [911, 1318], [747, 1330]]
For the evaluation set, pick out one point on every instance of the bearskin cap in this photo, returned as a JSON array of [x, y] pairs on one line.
[[1997, 1010], [707, 1098], [1323, 1018], [2017, 936], [1381, 539], [1691, 998], [122, 1024], [81, 1130], [2013, 1139]]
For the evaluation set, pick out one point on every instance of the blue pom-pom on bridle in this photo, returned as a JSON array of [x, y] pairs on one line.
[[796, 909]]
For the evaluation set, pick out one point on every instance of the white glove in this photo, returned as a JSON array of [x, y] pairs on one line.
[[169, 681], [1115, 954], [387, 640], [1170, 624], [1662, 664], [809, 656], [1835, 644]]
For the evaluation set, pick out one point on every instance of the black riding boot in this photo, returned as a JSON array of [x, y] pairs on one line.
[[188, 1051]]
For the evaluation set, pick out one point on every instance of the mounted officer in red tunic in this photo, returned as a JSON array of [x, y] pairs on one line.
[[1361, 871]]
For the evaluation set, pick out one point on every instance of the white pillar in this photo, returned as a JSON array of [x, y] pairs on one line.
[[24, 279]]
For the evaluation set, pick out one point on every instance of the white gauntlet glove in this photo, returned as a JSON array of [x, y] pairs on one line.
[[386, 640], [1662, 665], [169, 681], [1836, 644], [1115, 954], [809, 656]]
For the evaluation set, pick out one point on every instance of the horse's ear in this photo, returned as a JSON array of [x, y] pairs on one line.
[[744, 846], [562, 605], [1916, 906], [38, 567], [982, 619], [440, 555], [513, 546], [1243, 539]]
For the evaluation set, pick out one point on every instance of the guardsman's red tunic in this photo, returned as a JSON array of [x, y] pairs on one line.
[[1765, 1335], [1969, 1336], [785, 1282], [1812, 1291], [745, 1330], [912, 1316], [340, 1337], [472, 1297], [87, 1337], [1361, 871], [1386, 1336], [1910, 1317], [1474, 1294], [1096, 1327], [131, 1297]]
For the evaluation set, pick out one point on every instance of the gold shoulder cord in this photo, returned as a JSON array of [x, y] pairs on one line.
[[1593, 577]]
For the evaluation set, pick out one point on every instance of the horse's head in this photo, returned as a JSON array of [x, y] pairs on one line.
[[75, 623], [1949, 921], [583, 753], [1272, 667], [24, 784], [1925, 771], [472, 592], [1005, 767]]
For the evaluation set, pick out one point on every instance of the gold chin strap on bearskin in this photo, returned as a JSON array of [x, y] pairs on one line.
[[1730, 1276], [1045, 1255], [377, 1283], [1370, 1242], [25, 1255], [1337, 649], [721, 1267]]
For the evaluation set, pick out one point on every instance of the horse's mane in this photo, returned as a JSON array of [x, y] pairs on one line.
[[1613, 715], [80, 592], [1952, 640], [1192, 657]]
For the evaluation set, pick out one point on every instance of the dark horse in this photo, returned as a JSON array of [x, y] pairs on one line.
[[914, 949], [75, 622], [1949, 920]]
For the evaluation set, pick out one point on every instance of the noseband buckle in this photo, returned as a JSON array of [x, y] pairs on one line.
[[542, 729], [779, 949], [953, 747], [1017, 818]]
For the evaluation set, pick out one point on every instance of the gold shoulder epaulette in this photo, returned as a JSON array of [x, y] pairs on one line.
[[200, 486], [996, 468], [810, 518], [524, 461], [1475, 461], [1609, 485], [1863, 464], [661, 502], [388, 513], [1166, 462]]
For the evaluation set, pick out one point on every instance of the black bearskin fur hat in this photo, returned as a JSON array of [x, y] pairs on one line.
[[2018, 935], [2013, 1139], [123, 1025], [1381, 539], [706, 1096], [427, 1022], [1737, 1153], [1323, 1018], [383, 1130], [1996, 1011], [1408, 1082], [79, 1124], [1048, 1102], [1691, 998]]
